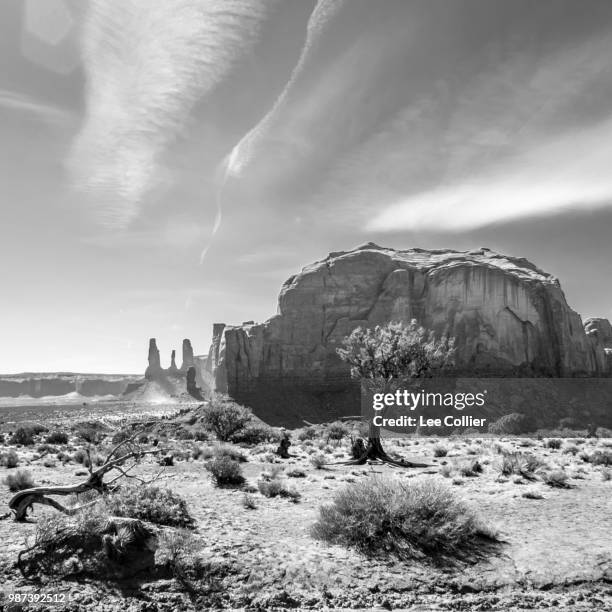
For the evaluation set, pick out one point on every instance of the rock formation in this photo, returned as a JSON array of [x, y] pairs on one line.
[[174, 380], [154, 368], [173, 368], [509, 318], [188, 361]]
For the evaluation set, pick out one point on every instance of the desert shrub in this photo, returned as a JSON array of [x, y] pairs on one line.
[[184, 434], [200, 435], [49, 462], [526, 442], [511, 425], [225, 418], [336, 430], [9, 459], [606, 474], [225, 471], [257, 433], [23, 436], [222, 450], [92, 432], [20, 480], [446, 470], [45, 448], [248, 501], [557, 479], [297, 473], [603, 432], [532, 495], [80, 456], [63, 457], [149, 503], [598, 457], [522, 464], [553, 443], [416, 520], [276, 487], [440, 451], [318, 461], [571, 450], [308, 433], [57, 437], [470, 468]]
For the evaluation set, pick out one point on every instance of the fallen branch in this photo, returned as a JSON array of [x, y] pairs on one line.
[[24, 500]]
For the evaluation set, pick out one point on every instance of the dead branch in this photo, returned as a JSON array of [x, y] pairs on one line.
[[24, 500]]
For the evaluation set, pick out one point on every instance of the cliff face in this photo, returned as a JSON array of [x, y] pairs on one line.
[[508, 318]]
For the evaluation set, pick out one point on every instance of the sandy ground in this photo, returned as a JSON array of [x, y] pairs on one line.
[[557, 550]]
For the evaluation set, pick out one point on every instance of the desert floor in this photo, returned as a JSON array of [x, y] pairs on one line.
[[557, 549]]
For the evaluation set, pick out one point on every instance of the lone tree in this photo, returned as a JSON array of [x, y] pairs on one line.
[[382, 356]]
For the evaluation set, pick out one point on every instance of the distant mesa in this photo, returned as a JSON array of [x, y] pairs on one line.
[[509, 318]]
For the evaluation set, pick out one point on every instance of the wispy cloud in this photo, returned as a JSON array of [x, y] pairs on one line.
[[147, 64], [38, 109]]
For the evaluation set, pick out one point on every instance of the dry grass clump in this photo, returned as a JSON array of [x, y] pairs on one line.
[[440, 451], [522, 464], [470, 468], [20, 480], [422, 519], [225, 471], [532, 495], [556, 479], [149, 503], [257, 433], [296, 473], [10, 459], [318, 461], [598, 457], [222, 450], [277, 487]]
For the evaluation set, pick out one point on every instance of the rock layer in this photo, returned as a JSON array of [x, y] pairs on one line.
[[509, 318]]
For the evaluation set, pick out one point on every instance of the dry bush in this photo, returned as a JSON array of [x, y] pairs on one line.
[[532, 495], [553, 443], [318, 461], [23, 436], [149, 503], [296, 473], [336, 430], [418, 520], [511, 425], [276, 487], [57, 437], [222, 450], [257, 433], [20, 480], [10, 459], [556, 479], [308, 433], [225, 418], [225, 471], [522, 464], [440, 451], [606, 474], [470, 468], [598, 457], [248, 501]]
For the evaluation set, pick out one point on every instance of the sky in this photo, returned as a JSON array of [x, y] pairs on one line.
[[167, 165]]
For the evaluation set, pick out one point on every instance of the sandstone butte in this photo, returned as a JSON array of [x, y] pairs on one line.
[[509, 319]]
